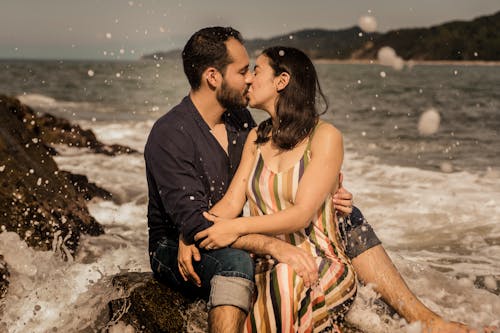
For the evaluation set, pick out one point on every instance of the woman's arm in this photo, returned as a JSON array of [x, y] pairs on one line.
[[320, 179], [232, 203]]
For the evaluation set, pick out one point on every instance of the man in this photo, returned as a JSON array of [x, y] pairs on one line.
[[191, 155]]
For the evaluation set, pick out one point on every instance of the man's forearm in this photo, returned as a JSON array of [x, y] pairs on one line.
[[257, 243], [301, 261]]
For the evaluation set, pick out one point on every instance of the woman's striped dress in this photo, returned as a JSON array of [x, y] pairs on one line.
[[283, 303]]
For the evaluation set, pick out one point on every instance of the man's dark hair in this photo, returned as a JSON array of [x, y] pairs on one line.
[[207, 48], [296, 107]]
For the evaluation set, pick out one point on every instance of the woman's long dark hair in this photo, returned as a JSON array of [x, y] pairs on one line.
[[296, 110]]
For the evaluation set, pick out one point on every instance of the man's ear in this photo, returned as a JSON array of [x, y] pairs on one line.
[[282, 81], [212, 76]]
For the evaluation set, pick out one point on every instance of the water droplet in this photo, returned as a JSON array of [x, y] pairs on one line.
[[367, 23], [428, 123]]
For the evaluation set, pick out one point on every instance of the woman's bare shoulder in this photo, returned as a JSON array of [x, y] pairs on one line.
[[326, 131]]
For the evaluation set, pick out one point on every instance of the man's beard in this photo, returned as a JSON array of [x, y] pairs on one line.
[[231, 98]]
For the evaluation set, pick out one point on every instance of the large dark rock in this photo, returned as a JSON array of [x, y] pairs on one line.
[[54, 130], [87, 189], [153, 307], [37, 201]]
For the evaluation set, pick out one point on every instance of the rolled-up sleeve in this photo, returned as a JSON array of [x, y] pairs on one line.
[[171, 161], [357, 234]]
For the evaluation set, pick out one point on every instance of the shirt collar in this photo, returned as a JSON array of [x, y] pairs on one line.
[[226, 116]]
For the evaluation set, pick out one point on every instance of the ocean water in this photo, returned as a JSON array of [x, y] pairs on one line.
[[433, 200]]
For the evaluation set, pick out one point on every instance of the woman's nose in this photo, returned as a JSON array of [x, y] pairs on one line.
[[249, 77]]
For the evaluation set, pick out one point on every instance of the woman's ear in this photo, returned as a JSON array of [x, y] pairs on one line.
[[212, 76], [282, 81]]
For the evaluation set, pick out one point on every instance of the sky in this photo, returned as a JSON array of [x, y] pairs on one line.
[[126, 29]]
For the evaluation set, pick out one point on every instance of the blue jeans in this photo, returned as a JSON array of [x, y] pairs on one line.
[[227, 275]]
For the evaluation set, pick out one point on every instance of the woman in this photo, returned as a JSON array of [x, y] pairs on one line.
[[289, 170]]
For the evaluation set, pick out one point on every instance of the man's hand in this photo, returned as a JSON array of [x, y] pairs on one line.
[[185, 262], [342, 199], [301, 261]]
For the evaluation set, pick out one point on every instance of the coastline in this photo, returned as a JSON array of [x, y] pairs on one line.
[[411, 62]]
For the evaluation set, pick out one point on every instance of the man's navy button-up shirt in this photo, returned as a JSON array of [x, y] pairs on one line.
[[187, 169]]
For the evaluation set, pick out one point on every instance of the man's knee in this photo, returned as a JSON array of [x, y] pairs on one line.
[[356, 218], [238, 263], [359, 236], [233, 283]]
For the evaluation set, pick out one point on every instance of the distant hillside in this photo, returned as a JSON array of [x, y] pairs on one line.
[[317, 43], [459, 40], [478, 39]]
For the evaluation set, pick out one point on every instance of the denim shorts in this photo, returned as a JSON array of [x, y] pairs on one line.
[[357, 234], [227, 275]]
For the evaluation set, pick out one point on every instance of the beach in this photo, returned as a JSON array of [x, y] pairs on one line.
[[434, 200]]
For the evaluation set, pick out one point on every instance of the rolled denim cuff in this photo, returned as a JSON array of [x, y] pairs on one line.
[[231, 290]]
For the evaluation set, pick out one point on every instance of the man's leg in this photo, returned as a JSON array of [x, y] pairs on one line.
[[226, 318], [232, 288], [374, 266], [226, 280]]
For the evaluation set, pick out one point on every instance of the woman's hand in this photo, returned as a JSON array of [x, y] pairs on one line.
[[223, 233], [342, 199]]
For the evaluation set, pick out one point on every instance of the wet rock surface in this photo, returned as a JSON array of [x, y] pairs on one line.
[[4, 278], [149, 306]]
